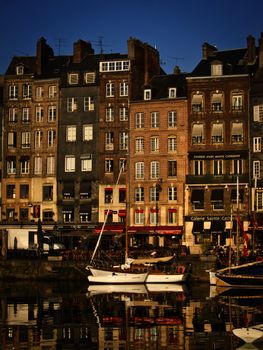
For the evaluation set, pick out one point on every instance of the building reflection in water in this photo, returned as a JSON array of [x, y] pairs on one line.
[[57, 316]]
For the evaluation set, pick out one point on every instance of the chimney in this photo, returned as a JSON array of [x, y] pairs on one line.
[[44, 51], [208, 50], [260, 44], [81, 50], [251, 49], [177, 70]]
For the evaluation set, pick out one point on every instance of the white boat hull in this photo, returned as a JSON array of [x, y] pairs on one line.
[[166, 287], [116, 288], [165, 278], [115, 277], [249, 334]]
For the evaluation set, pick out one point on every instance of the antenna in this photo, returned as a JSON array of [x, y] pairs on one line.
[[100, 44], [60, 41], [177, 59]]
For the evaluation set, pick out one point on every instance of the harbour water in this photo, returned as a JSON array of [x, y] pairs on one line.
[[41, 315]]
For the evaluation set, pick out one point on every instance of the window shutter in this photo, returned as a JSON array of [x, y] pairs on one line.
[[256, 113]]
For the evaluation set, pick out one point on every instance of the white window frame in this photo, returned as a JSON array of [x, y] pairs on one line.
[[109, 114], [20, 70], [154, 170], [51, 138], [71, 133], [124, 89], [39, 114], [86, 163], [52, 91], [198, 167], [13, 114], [172, 193], [139, 218], [218, 167], [11, 166], [87, 132], [139, 120], [24, 166], [73, 78], [123, 140], [38, 138], [139, 194], [256, 169], [72, 104], [109, 141], [237, 101], [52, 114], [172, 92], [216, 69], [25, 139], [25, 114], [257, 144], [89, 77], [139, 145], [147, 95], [172, 119], [154, 144], [108, 165], [110, 89], [89, 104], [70, 163], [172, 143], [38, 165], [123, 114], [258, 113], [50, 165], [39, 92], [155, 120], [26, 91], [139, 170], [237, 166], [13, 92]]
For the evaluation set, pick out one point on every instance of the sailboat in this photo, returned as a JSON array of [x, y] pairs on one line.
[[123, 274]]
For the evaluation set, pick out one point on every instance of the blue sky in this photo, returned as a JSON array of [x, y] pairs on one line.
[[177, 28]]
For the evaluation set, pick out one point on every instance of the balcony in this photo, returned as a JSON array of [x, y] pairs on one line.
[[215, 179]]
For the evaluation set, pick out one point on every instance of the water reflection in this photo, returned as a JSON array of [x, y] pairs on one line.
[[82, 316]]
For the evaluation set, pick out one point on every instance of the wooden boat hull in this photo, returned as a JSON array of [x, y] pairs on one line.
[[223, 280], [104, 276]]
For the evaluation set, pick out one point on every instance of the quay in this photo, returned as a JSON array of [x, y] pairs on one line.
[[57, 269]]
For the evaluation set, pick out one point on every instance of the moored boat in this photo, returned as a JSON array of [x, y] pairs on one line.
[[249, 334]]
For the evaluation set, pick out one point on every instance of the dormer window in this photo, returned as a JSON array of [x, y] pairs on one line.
[[73, 78], [147, 94], [172, 93], [89, 78], [217, 69], [20, 70]]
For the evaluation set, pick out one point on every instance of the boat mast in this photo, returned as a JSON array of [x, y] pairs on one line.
[[237, 220]]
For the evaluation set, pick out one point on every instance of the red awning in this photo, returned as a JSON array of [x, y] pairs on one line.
[[111, 228], [122, 189], [108, 188], [163, 230], [122, 213], [154, 210], [172, 210], [139, 210]]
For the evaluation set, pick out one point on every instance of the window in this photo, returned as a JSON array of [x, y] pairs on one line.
[[172, 144], [47, 193], [87, 132], [172, 168], [172, 92], [259, 201], [237, 132], [86, 163], [51, 138], [197, 199], [112, 66], [154, 217], [217, 101], [50, 165], [38, 166], [198, 134], [71, 133], [172, 193], [139, 120], [109, 141], [72, 104], [237, 101], [27, 90], [217, 133], [11, 139], [154, 144], [139, 194], [39, 92], [172, 119], [123, 114], [139, 170], [172, 216], [258, 113], [89, 77], [139, 145], [52, 91], [123, 89], [89, 104], [38, 138], [256, 169], [24, 191], [13, 115], [256, 144], [123, 140], [69, 164], [10, 191], [237, 166], [108, 165], [52, 114], [155, 121], [109, 114], [198, 167], [73, 78], [47, 215], [197, 102], [20, 70], [122, 164], [216, 69], [139, 217], [154, 194], [147, 94], [154, 170], [13, 92], [11, 166], [25, 115], [39, 114], [110, 90], [218, 166], [23, 214], [25, 139]]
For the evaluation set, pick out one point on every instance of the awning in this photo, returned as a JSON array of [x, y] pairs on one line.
[[197, 99], [122, 213], [237, 128], [217, 226], [122, 189], [154, 210], [85, 209], [172, 210], [139, 210], [217, 98], [197, 196], [234, 195], [108, 188], [198, 227], [153, 230], [85, 188], [217, 129], [68, 189], [217, 195], [111, 228], [68, 209], [198, 130]]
